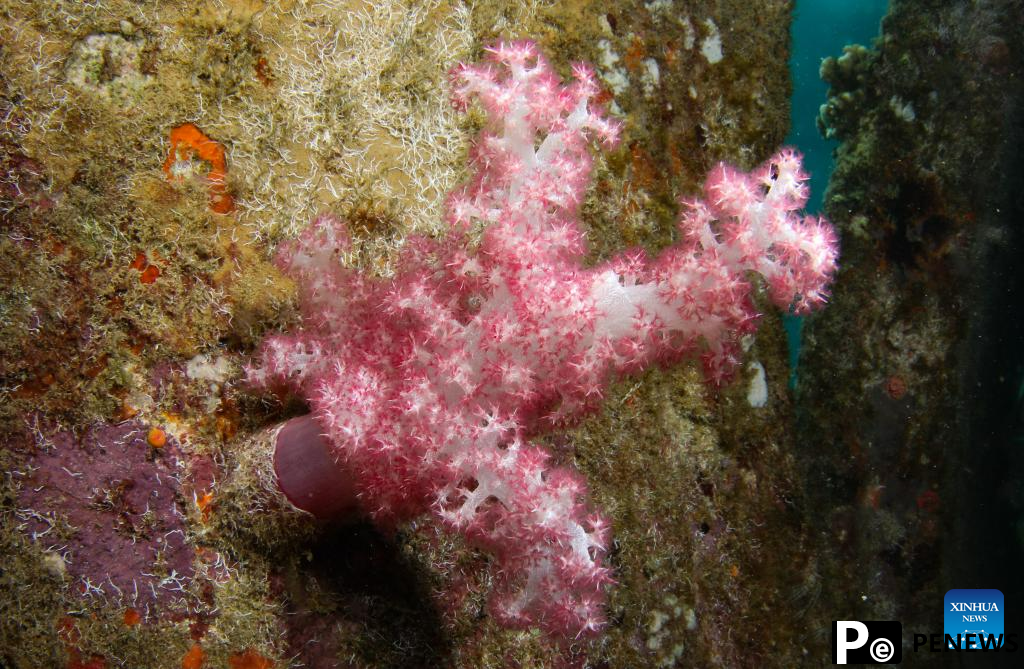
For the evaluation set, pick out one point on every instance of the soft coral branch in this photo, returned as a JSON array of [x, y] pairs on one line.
[[430, 385]]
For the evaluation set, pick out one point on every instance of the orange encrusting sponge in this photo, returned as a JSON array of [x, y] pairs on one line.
[[186, 140]]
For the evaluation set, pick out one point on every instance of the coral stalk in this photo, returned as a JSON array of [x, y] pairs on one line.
[[307, 472]]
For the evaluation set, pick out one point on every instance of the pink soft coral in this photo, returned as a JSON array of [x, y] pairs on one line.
[[430, 385]]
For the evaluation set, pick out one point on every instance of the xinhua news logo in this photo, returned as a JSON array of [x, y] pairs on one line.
[[867, 642], [976, 616]]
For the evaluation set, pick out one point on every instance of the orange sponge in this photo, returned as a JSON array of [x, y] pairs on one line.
[[188, 140]]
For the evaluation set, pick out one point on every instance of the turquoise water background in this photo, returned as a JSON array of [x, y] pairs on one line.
[[820, 28]]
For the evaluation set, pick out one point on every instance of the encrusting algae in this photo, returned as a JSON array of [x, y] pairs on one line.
[[327, 105]]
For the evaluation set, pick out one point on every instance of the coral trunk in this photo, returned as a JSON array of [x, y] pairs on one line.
[[308, 474]]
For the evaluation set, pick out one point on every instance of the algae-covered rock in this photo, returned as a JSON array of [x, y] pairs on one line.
[[116, 275]]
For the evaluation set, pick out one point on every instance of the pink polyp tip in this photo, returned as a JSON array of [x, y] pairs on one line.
[[308, 474]]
